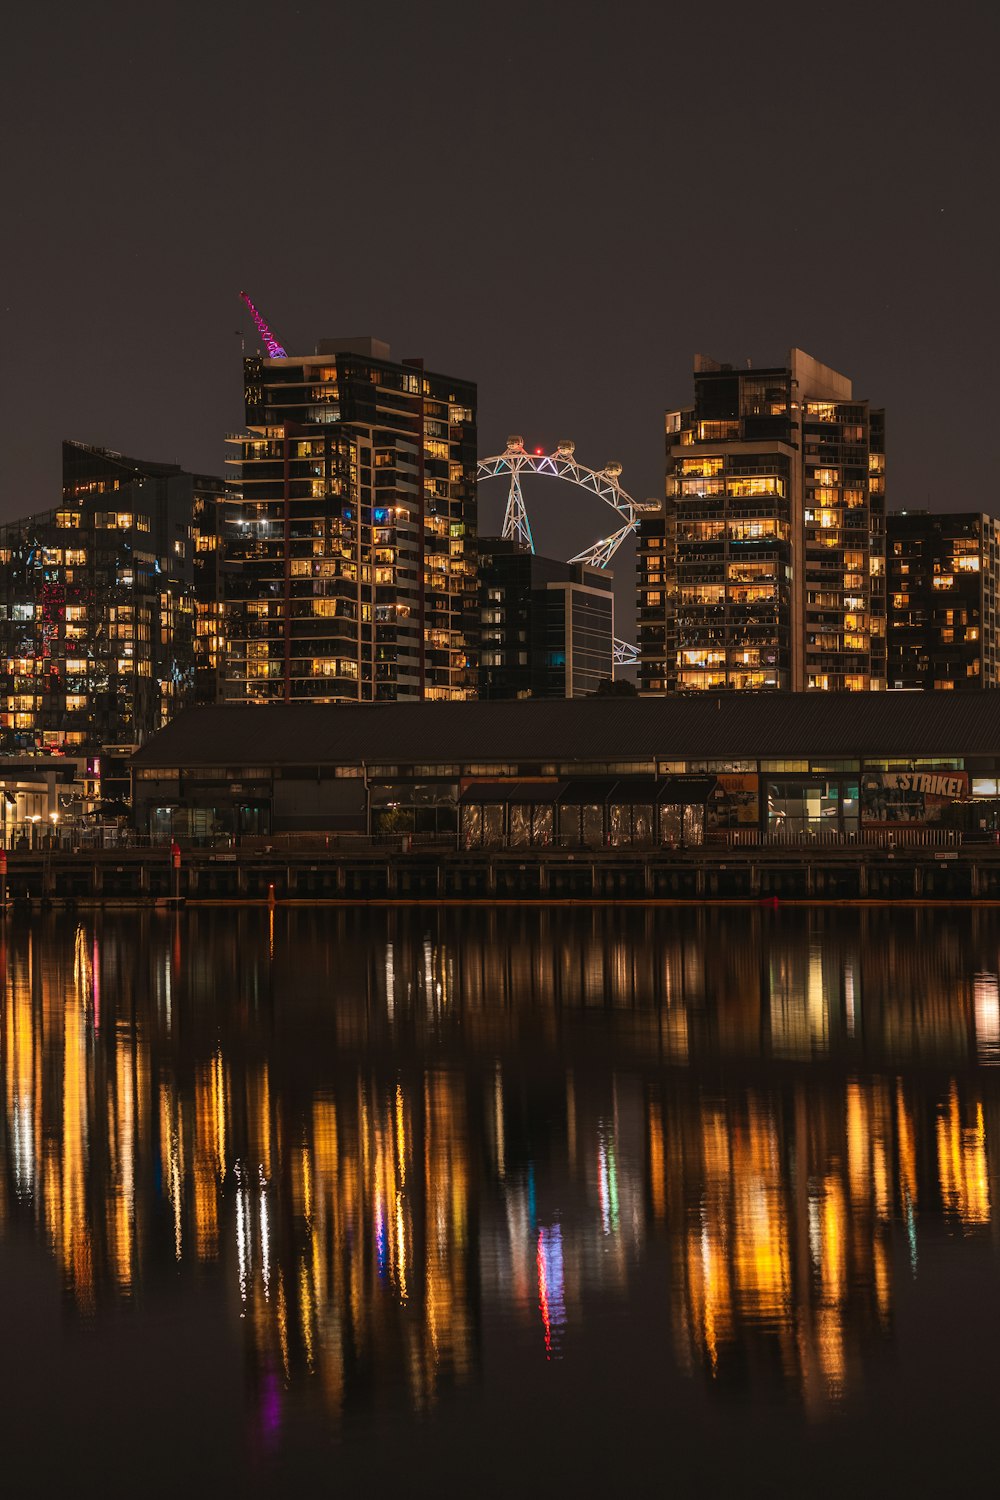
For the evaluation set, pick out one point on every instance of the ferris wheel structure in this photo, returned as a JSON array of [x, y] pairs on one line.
[[605, 484]]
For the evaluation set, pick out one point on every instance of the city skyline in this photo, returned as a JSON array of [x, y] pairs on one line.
[[550, 265]]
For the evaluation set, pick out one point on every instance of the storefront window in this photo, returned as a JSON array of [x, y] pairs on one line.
[[803, 807]]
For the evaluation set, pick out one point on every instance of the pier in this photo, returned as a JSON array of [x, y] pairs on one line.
[[358, 872]]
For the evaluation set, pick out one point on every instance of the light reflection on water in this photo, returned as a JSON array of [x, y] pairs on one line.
[[399, 1153]]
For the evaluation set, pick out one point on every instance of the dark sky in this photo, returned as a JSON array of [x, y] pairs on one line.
[[562, 201]]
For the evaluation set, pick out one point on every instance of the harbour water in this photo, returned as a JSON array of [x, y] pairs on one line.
[[470, 1202]]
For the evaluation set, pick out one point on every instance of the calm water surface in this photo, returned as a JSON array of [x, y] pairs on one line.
[[472, 1203]]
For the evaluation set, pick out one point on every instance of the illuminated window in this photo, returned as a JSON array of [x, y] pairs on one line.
[[764, 484], [702, 486], [706, 467]]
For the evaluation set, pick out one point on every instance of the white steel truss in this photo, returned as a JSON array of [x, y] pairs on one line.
[[604, 483], [626, 655]]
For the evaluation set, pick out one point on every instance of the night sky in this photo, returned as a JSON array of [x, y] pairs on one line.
[[563, 202]]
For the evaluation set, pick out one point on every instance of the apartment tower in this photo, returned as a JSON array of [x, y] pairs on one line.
[[355, 554], [110, 610], [766, 568]]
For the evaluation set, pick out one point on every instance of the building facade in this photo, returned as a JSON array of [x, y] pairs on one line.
[[355, 553], [548, 627], [942, 588], [110, 611], [766, 568]]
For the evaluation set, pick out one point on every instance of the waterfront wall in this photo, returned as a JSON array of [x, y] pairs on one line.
[[139, 877]]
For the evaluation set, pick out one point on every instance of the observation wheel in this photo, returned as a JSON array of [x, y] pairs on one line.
[[604, 483]]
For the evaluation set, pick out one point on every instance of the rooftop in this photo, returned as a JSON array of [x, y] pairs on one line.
[[710, 727]]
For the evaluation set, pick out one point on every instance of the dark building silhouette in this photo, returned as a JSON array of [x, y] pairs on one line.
[[942, 585], [547, 626]]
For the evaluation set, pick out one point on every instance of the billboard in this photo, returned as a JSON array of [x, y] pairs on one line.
[[735, 801], [910, 796]]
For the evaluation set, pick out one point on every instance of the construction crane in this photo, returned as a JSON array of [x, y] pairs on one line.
[[274, 349]]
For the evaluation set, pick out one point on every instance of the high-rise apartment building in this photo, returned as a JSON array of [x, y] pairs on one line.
[[109, 604], [943, 573], [354, 560], [766, 569], [548, 627]]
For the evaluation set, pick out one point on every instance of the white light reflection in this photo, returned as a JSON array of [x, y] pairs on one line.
[[24, 1153], [849, 997], [986, 1012], [244, 1246], [265, 1236]]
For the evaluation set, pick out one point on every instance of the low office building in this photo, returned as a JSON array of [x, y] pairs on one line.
[[631, 772], [548, 627], [943, 573], [41, 796]]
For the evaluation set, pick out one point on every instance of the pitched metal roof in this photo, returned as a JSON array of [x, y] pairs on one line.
[[711, 727]]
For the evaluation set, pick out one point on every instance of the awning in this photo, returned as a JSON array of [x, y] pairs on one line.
[[536, 793], [585, 792], [687, 791], [637, 790]]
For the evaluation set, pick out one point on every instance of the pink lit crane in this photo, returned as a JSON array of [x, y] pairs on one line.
[[274, 349]]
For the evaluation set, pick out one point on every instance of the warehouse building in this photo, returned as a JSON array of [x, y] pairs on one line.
[[528, 773]]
